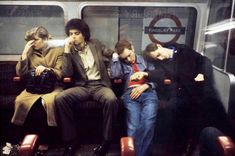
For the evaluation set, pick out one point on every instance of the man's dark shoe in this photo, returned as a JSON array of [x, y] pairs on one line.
[[71, 148], [102, 149]]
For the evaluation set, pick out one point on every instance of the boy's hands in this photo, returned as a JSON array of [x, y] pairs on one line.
[[199, 77], [137, 91], [138, 76]]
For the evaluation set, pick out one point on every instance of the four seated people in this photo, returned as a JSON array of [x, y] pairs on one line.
[[85, 60]]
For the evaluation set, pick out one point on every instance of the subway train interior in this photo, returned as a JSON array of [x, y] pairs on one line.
[[207, 26]]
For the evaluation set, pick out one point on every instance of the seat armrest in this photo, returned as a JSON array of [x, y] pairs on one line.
[[29, 145], [167, 81], [127, 146], [226, 145], [67, 79], [117, 81], [17, 79]]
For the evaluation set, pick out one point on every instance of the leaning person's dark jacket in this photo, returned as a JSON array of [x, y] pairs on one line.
[[73, 66], [182, 69], [185, 65]]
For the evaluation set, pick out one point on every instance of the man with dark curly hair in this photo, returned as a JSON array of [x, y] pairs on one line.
[[85, 63]]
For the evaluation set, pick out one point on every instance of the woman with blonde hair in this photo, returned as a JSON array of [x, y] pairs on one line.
[[35, 106]]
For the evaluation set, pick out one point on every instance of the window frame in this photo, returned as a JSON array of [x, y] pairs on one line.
[[15, 57], [200, 8]]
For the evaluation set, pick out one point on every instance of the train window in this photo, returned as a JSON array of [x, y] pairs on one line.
[[230, 66], [141, 24], [220, 36], [219, 10], [15, 20], [215, 48]]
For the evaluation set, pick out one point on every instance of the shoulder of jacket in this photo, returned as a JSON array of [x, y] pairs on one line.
[[59, 50], [93, 40], [139, 57]]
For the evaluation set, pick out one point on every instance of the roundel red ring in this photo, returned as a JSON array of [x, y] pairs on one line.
[[157, 18]]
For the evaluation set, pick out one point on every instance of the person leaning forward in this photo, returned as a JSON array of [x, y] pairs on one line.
[[38, 56], [139, 98], [193, 96], [85, 63]]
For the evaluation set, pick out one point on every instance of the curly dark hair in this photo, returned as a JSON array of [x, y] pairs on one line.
[[80, 25]]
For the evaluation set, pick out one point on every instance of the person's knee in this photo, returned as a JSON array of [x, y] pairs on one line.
[[59, 99], [111, 101], [208, 145], [131, 129], [150, 121], [210, 132], [208, 136]]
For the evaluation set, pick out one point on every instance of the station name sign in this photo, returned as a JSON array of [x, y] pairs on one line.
[[164, 30]]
